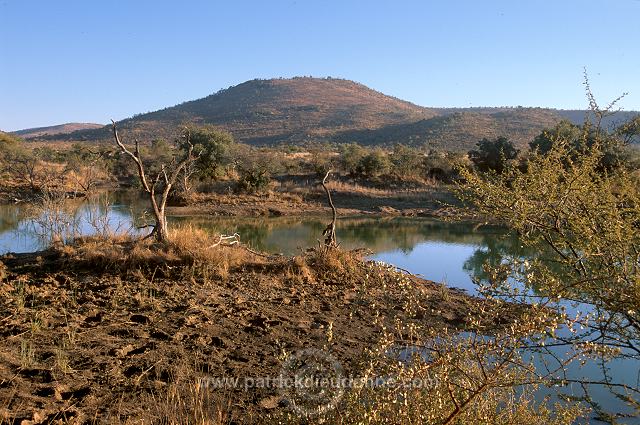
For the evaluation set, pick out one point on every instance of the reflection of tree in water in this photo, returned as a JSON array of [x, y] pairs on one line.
[[29, 222], [493, 251], [377, 234], [404, 233], [367, 235], [254, 235], [500, 248], [10, 217], [288, 234]]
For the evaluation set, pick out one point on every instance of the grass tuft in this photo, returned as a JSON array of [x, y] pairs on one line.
[[189, 252]]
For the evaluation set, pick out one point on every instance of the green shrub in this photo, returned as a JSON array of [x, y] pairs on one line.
[[254, 179], [493, 155], [374, 164]]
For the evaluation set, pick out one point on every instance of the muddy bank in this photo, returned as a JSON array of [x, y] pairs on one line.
[[427, 202], [83, 342], [350, 200]]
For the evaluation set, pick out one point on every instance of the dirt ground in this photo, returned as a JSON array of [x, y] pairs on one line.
[[86, 344], [349, 201]]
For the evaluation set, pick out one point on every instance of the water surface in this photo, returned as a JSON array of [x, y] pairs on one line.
[[448, 252]]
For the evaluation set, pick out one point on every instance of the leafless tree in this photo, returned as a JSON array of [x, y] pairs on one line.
[[87, 172], [159, 188], [28, 169], [330, 232]]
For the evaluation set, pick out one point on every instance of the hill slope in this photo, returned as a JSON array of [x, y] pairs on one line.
[[277, 110], [304, 109], [461, 130], [55, 130]]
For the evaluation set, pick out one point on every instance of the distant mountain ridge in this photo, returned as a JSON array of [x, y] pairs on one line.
[[55, 130], [304, 109]]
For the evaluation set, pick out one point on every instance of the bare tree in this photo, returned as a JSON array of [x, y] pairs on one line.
[[86, 171], [330, 232], [27, 168], [167, 176], [187, 173]]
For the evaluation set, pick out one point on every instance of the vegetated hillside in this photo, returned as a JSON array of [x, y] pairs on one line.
[[304, 109], [55, 130], [609, 122], [576, 116], [277, 110], [461, 130]]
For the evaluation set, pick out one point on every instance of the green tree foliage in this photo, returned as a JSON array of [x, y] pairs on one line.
[[255, 167], [374, 163], [86, 166], [9, 146], [585, 227], [159, 151], [406, 161], [23, 165], [630, 131], [582, 138], [443, 166], [350, 156], [493, 155], [212, 144], [43, 168], [564, 130], [321, 159], [8, 141], [254, 179]]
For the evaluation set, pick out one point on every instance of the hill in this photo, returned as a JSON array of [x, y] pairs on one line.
[[460, 130], [576, 116], [55, 130], [276, 110], [303, 109]]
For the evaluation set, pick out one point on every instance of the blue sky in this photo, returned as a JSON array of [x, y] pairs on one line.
[[88, 61]]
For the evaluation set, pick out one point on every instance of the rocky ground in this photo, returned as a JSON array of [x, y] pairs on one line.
[[87, 341]]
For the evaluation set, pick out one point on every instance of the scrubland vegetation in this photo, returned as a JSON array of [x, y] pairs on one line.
[[123, 329]]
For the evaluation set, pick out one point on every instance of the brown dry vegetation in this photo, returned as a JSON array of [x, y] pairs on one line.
[[28, 177], [276, 110]]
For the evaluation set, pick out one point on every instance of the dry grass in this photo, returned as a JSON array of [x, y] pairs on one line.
[[194, 253], [328, 265], [354, 188], [3, 271], [187, 401], [190, 403], [184, 400], [279, 196], [190, 250], [167, 384]]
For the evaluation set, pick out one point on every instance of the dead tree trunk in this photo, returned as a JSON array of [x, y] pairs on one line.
[[330, 232], [167, 174]]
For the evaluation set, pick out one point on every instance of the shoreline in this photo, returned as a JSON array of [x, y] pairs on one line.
[[428, 202], [106, 340]]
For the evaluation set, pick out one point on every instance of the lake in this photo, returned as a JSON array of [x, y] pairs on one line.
[[442, 251]]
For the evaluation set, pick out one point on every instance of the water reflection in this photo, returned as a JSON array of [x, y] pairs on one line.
[[437, 250], [454, 253], [26, 228]]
